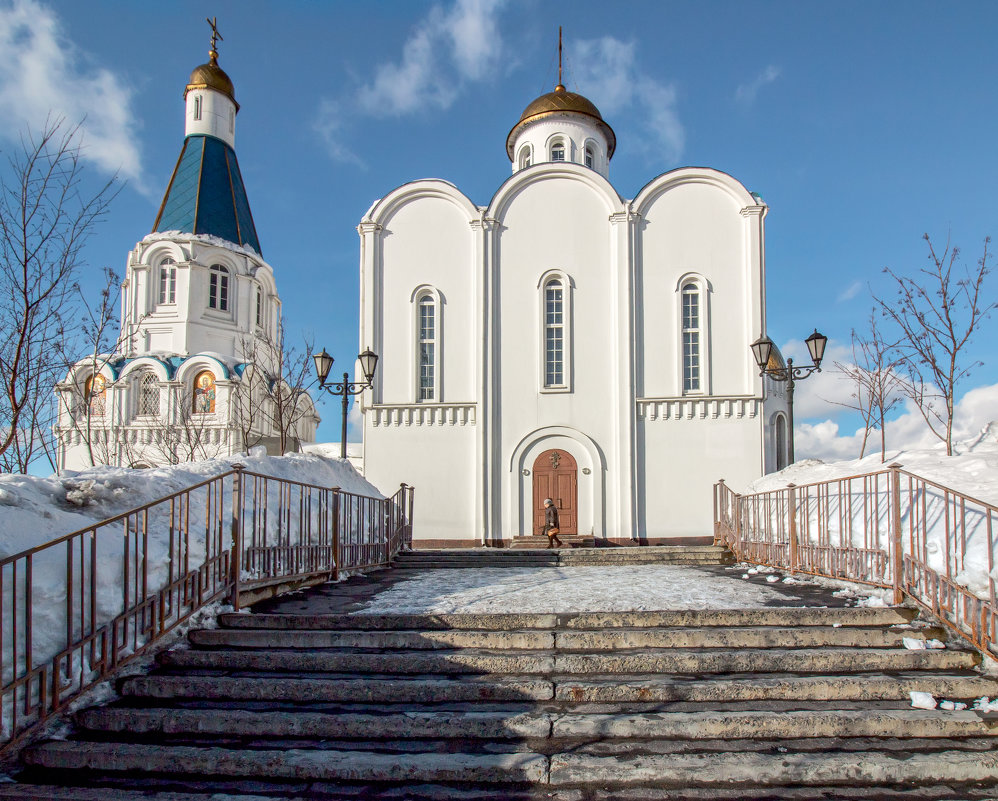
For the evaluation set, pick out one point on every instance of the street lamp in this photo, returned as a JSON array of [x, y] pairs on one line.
[[762, 349], [324, 363]]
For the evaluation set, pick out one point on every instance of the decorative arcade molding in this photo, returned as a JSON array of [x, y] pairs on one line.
[[688, 408], [424, 414]]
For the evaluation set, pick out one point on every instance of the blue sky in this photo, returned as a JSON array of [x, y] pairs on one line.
[[862, 125]]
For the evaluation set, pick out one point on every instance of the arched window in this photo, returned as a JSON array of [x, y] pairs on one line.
[[95, 394], [554, 333], [204, 392], [167, 281], [148, 394], [526, 157], [218, 288], [426, 389], [780, 424], [590, 157], [259, 306], [558, 151], [692, 338]]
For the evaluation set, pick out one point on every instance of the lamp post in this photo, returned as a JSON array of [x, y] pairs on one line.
[[345, 388], [762, 349]]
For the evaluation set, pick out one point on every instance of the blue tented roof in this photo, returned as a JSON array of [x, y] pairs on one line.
[[206, 194]]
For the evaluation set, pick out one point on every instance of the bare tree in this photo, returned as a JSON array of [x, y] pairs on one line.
[[46, 218], [938, 311], [875, 379]]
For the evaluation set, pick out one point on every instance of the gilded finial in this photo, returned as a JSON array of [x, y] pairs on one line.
[[216, 37]]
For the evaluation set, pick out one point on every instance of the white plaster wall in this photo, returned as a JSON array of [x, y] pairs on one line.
[[682, 459], [560, 223], [218, 115], [427, 242], [439, 462], [694, 228]]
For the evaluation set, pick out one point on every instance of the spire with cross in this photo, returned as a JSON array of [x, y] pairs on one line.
[[216, 37]]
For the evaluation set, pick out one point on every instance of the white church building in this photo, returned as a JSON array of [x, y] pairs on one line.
[[197, 370], [564, 342]]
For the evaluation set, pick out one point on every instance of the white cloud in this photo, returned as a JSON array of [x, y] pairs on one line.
[[446, 51], [329, 125], [907, 431], [607, 72], [747, 92], [850, 291], [44, 75]]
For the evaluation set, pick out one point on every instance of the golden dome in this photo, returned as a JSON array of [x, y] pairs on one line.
[[557, 102], [212, 76]]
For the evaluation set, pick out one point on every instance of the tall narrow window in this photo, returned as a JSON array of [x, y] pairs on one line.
[[781, 442], [691, 338], [525, 157], [204, 392], [168, 281], [232, 120], [427, 374], [590, 158], [197, 107], [218, 288], [554, 333], [148, 388], [259, 307], [558, 151]]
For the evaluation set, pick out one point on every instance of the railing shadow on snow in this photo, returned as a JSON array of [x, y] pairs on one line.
[[77, 608], [889, 528]]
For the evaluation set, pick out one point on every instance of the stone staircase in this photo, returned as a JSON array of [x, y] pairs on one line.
[[562, 557], [767, 703]]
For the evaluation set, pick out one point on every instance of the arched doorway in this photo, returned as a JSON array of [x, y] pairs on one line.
[[556, 476]]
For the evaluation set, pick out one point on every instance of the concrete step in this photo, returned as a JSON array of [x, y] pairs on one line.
[[693, 618], [512, 725], [750, 770], [600, 640], [568, 690], [320, 765], [720, 660], [392, 640]]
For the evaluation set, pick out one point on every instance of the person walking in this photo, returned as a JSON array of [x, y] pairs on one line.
[[551, 524]]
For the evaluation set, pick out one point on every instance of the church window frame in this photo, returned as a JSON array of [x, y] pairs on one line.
[[559, 150], [589, 157], [148, 394], [427, 322], [204, 392], [219, 285], [259, 307], [167, 282], [693, 313], [556, 350], [197, 107], [781, 440], [526, 157]]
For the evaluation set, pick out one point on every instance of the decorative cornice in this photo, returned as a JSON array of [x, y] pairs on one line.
[[619, 217], [753, 211], [423, 414], [368, 227], [687, 408]]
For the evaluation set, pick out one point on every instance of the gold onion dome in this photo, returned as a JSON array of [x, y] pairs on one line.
[[558, 102], [212, 76]]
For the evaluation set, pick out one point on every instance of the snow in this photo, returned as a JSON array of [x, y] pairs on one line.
[[971, 471], [571, 589], [920, 700], [206, 239]]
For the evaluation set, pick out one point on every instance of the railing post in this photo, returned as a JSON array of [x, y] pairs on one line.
[[897, 553], [718, 492], [235, 557], [792, 509], [336, 533]]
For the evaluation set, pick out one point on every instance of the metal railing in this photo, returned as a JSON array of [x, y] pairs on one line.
[[74, 610], [889, 528]]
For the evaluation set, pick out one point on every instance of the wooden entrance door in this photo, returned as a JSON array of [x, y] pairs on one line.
[[556, 476]]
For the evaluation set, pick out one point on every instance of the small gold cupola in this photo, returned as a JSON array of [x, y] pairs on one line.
[[210, 75]]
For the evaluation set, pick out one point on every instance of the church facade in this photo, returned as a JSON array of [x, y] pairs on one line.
[[197, 371], [564, 342]]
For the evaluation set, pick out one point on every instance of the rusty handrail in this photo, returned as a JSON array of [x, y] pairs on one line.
[[889, 528], [114, 588]]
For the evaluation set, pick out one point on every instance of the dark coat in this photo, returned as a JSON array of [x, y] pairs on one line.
[[551, 516]]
